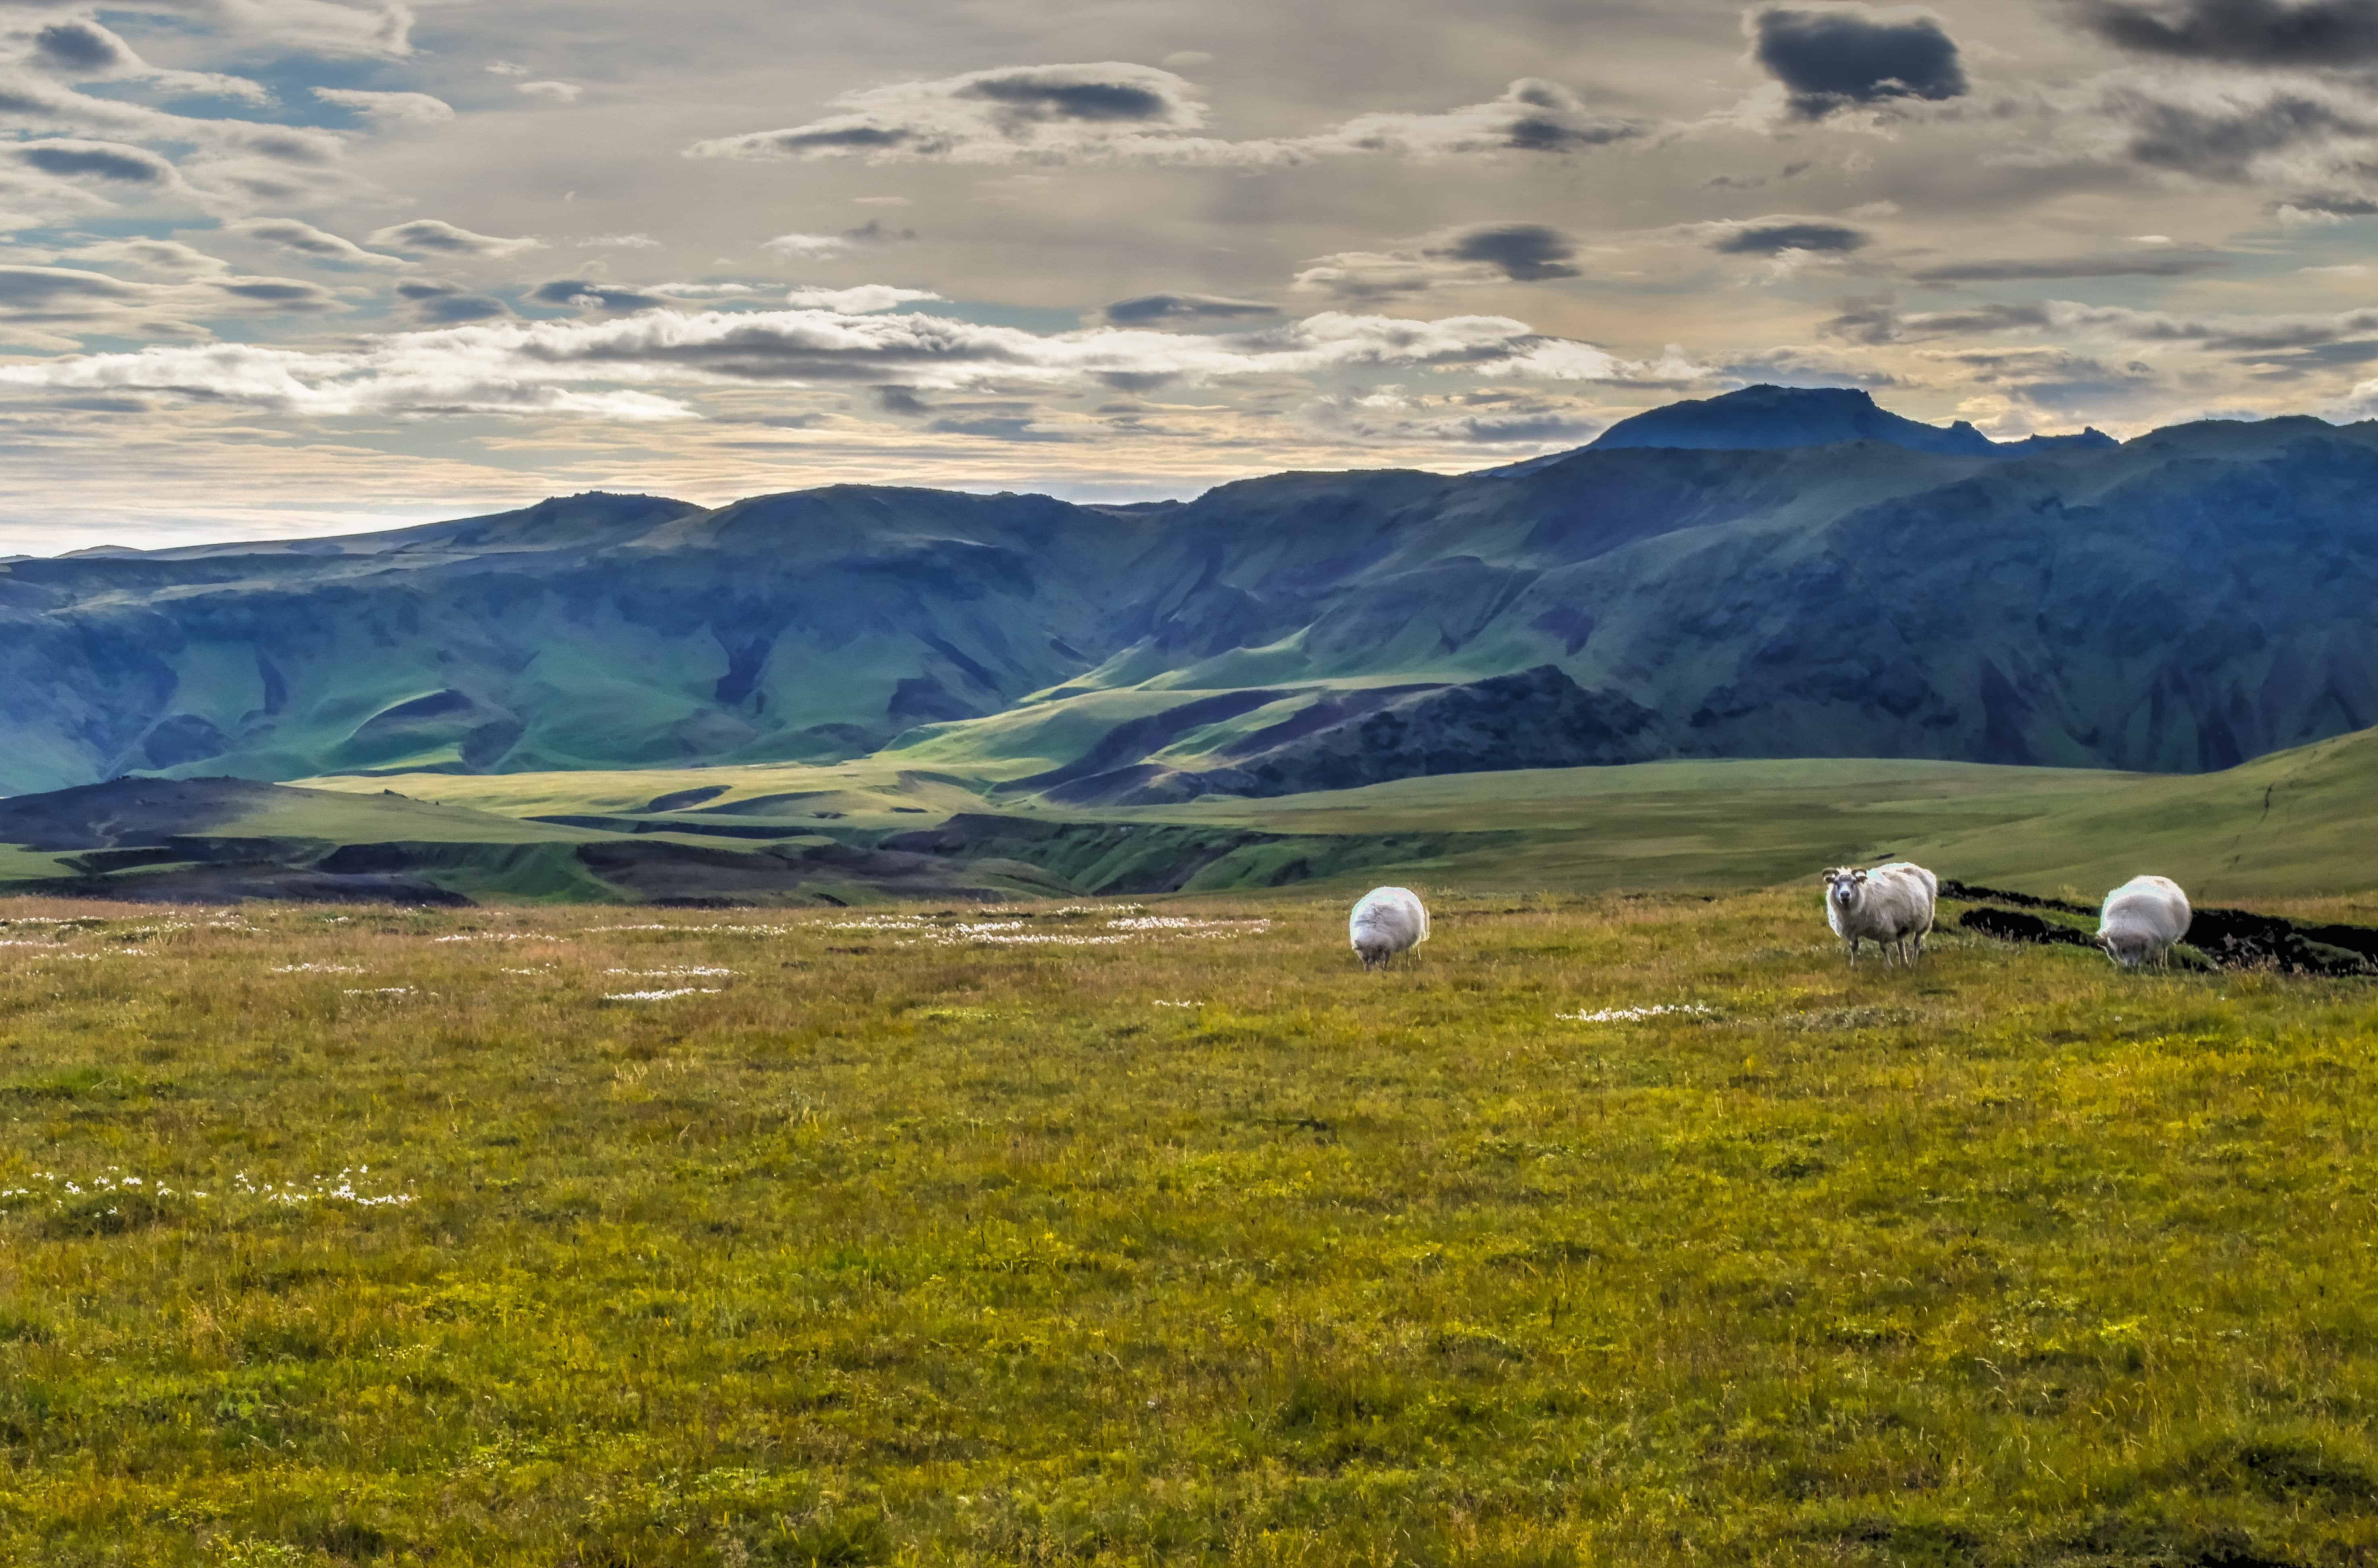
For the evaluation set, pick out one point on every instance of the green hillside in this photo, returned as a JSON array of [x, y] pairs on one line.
[[2289, 826], [2183, 602]]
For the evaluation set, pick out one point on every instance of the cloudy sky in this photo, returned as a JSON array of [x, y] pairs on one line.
[[281, 267]]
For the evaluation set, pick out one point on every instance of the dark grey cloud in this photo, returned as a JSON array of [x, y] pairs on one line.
[[82, 48], [1852, 55], [2186, 264], [1143, 308], [2246, 33], [48, 288], [1524, 252], [803, 141], [1548, 117], [586, 294], [2222, 138], [1061, 92], [1771, 239], [96, 159], [1754, 182], [1876, 319], [450, 304], [995, 427], [2326, 205], [901, 400]]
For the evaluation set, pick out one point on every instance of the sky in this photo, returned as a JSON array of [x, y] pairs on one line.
[[279, 268]]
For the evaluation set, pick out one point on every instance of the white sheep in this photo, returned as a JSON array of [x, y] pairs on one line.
[[2140, 919], [1385, 922], [1890, 905]]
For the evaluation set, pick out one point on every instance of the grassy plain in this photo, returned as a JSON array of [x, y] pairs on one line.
[[1023, 1236], [2292, 824]]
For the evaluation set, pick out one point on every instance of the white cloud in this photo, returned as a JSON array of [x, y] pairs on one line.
[[305, 239], [438, 237], [819, 248], [1114, 111], [617, 242], [605, 368], [863, 300], [551, 91], [390, 111], [315, 27]]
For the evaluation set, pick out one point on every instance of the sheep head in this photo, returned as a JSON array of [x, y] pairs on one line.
[[1845, 885]]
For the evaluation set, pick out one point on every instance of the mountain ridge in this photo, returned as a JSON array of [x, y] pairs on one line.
[[2180, 602]]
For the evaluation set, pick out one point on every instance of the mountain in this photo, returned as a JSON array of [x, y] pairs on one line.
[[2181, 602], [1770, 418]]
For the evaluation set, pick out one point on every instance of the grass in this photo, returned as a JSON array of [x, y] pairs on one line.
[[2288, 825], [918, 1238]]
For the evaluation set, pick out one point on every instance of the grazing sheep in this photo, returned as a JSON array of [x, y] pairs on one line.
[[2140, 919], [1387, 921], [1890, 905]]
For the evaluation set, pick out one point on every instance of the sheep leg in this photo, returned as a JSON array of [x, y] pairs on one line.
[[1854, 947]]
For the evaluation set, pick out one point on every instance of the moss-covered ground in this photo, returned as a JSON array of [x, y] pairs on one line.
[[1029, 1236]]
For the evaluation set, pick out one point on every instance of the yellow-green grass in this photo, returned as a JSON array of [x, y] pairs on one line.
[[2298, 823], [914, 1244], [865, 792], [376, 816]]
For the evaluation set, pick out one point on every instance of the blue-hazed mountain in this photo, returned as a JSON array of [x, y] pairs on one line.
[[1772, 418], [2182, 601]]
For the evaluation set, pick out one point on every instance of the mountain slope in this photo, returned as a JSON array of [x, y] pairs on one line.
[[2186, 601]]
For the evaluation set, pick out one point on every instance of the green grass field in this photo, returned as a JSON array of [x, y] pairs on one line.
[[1025, 1235], [2290, 825]]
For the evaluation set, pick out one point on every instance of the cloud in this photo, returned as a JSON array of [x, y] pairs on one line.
[[388, 111], [196, 287], [313, 27], [551, 91], [1879, 321], [1521, 252], [80, 49], [1531, 115], [2179, 266], [1391, 417], [862, 300], [170, 257], [444, 239], [606, 368], [872, 233], [617, 242], [1140, 309], [589, 295], [2235, 131], [115, 162], [1855, 57], [1773, 236], [292, 235], [450, 303], [995, 427], [44, 289], [1472, 255], [987, 116], [1114, 111], [2318, 34]]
